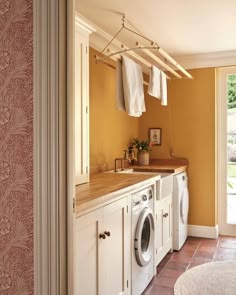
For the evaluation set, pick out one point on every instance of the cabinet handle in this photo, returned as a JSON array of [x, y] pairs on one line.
[[102, 236], [107, 233], [165, 215]]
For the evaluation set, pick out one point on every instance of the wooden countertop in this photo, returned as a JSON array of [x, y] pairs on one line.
[[168, 168], [104, 187], [174, 165]]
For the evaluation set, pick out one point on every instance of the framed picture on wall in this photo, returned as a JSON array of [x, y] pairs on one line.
[[155, 136]]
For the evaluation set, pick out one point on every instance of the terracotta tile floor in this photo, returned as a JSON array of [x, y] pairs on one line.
[[195, 251]]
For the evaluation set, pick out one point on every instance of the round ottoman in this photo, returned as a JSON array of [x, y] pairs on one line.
[[214, 278]]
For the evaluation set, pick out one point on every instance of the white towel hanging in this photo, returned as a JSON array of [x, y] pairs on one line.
[[133, 87], [163, 89], [154, 86]]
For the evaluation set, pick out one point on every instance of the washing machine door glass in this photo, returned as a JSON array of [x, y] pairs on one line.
[[144, 236], [184, 206]]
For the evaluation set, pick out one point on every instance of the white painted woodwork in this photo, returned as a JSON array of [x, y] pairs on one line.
[[87, 252], [81, 101], [221, 148], [102, 265], [163, 228], [115, 249], [209, 232], [49, 156], [70, 146]]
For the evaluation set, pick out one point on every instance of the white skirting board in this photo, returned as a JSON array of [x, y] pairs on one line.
[[211, 232]]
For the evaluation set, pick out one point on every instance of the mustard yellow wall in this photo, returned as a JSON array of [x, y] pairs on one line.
[[191, 114], [110, 130], [188, 127]]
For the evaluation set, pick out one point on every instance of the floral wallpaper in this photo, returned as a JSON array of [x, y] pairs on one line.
[[16, 146]]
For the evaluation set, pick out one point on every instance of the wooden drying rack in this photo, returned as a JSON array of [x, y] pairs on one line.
[[169, 64]]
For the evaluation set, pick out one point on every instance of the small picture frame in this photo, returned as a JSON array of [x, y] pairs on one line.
[[155, 136]]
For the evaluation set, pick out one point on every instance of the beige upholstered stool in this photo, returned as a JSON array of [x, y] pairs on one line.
[[214, 278]]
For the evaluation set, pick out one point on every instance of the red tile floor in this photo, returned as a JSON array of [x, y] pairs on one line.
[[194, 252]]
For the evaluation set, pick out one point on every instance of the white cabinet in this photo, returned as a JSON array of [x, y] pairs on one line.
[[164, 240], [102, 263], [81, 100]]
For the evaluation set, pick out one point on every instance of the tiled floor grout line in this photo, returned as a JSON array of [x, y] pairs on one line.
[[216, 248], [164, 266], [192, 257], [157, 276], [204, 249]]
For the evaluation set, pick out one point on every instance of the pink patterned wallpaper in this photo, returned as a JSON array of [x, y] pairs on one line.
[[16, 146]]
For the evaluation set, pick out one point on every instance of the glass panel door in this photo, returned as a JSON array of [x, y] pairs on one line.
[[231, 148], [226, 150]]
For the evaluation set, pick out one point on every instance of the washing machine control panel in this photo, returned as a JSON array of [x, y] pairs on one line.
[[142, 197]]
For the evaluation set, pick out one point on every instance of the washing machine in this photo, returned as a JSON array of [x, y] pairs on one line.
[[143, 250], [180, 209]]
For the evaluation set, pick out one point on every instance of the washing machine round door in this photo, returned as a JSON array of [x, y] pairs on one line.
[[184, 206], [144, 237]]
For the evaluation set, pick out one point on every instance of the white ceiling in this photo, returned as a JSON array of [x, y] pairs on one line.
[[181, 27]]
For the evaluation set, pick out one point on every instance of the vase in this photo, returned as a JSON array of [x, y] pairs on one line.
[[143, 158]]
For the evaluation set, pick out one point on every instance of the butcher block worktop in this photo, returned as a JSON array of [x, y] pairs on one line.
[[160, 168], [104, 187], [164, 165]]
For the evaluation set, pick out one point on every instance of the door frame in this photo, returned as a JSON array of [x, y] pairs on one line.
[[49, 155], [70, 144], [221, 140]]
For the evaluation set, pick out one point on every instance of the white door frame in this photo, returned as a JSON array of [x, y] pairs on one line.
[[70, 143], [221, 139], [49, 147]]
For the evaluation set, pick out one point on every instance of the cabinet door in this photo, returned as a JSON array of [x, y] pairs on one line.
[[114, 266], [163, 227], [159, 232], [86, 250], [81, 105], [167, 223]]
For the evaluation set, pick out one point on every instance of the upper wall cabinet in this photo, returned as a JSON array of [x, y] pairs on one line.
[[81, 103]]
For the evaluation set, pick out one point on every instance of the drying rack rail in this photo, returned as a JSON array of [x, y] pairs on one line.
[[150, 49]]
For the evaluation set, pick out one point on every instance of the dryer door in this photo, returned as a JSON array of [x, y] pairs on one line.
[[144, 237], [184, 205]]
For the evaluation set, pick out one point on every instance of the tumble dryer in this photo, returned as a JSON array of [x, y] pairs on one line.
[[180, 209]]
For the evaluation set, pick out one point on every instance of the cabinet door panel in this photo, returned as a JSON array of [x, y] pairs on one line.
[[114, 251], [163, 227], [159, 229], [87, 244], [167, 226], [81, 105]]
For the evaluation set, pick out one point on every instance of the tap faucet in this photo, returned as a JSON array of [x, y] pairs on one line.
[[122, 163]]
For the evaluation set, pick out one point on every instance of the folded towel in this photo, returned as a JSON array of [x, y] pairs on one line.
[[154, 86], [133, 87], [163, 89], [120, 100]]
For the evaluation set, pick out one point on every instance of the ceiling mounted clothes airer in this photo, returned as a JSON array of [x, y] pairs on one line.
[[150, 48]]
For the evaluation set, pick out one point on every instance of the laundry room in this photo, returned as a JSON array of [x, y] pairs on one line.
[[161, 165]]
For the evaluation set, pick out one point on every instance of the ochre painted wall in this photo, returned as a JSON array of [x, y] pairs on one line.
[[189, 119], [188, 127], [110, 130]]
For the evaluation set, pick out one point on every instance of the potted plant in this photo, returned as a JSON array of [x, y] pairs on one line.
[[143, 148]]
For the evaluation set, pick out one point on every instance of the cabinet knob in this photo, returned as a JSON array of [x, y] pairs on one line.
[[165, 215], [102, 236], [107, 233]]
